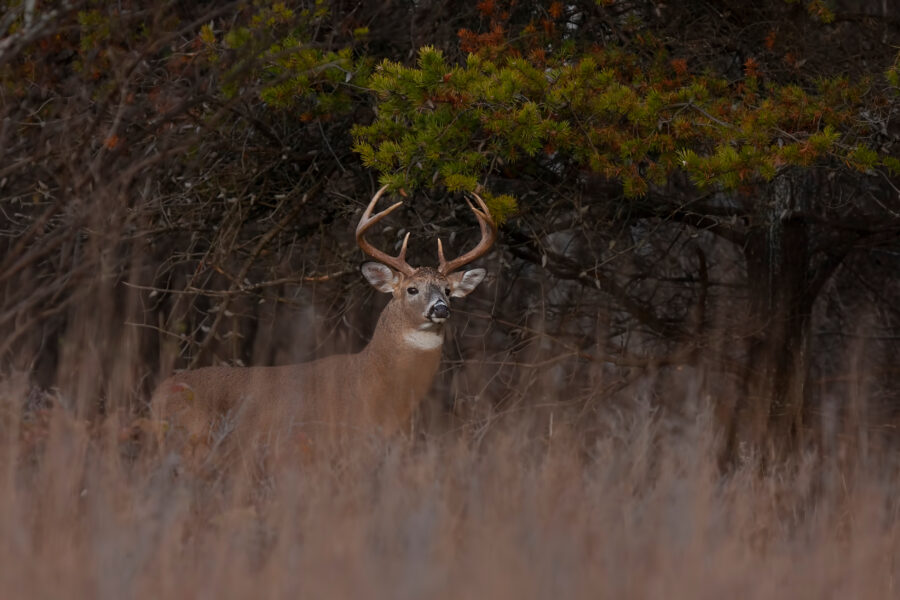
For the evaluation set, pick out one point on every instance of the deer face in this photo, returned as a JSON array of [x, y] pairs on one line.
[[424, 295]]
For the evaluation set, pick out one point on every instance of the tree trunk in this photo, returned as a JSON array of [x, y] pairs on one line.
[[780, 275]]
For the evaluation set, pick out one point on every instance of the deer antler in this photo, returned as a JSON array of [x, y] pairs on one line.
[[488, 235], [398, 263]]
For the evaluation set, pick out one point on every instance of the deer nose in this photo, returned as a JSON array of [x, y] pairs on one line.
[[439, 310]]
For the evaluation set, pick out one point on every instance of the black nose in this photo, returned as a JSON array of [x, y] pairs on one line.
[[440, 311]]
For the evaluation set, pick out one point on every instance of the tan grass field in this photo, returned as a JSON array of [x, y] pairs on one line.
[[637, 508]]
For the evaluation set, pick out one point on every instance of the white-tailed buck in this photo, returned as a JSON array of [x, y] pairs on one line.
[[373, 391]]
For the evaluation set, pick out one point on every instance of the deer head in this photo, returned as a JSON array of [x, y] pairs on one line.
[[423, 294]]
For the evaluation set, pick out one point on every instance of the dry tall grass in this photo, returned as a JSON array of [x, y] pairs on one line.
[[637, 509]]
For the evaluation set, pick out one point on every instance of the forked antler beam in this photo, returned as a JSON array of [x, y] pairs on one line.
[[398, 263], [488, 235]]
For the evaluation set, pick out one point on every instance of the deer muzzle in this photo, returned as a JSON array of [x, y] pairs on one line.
[[439, 311]]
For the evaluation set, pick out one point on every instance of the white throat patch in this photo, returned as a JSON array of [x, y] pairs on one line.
[[423, 340]]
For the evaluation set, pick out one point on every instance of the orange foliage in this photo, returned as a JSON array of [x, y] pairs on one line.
[[679, 65], [454, 98], [486, 8], [538, 56], [556, 10], [751, 67], [470, 41]]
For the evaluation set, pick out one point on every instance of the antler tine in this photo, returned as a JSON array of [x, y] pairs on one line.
[[488, 235], [398, 263]]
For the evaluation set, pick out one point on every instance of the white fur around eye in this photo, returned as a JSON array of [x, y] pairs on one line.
[[423, 340]]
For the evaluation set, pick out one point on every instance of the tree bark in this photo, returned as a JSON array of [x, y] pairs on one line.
[[780, 276]]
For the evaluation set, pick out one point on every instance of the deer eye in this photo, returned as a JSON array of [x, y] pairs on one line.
[[412, 291], [447, 291]]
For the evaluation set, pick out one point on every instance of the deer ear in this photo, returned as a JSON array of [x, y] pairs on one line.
[[463, 282], [382, 277]]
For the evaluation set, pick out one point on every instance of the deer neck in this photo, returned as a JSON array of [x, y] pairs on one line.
[[398, 340], [402, 359]]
